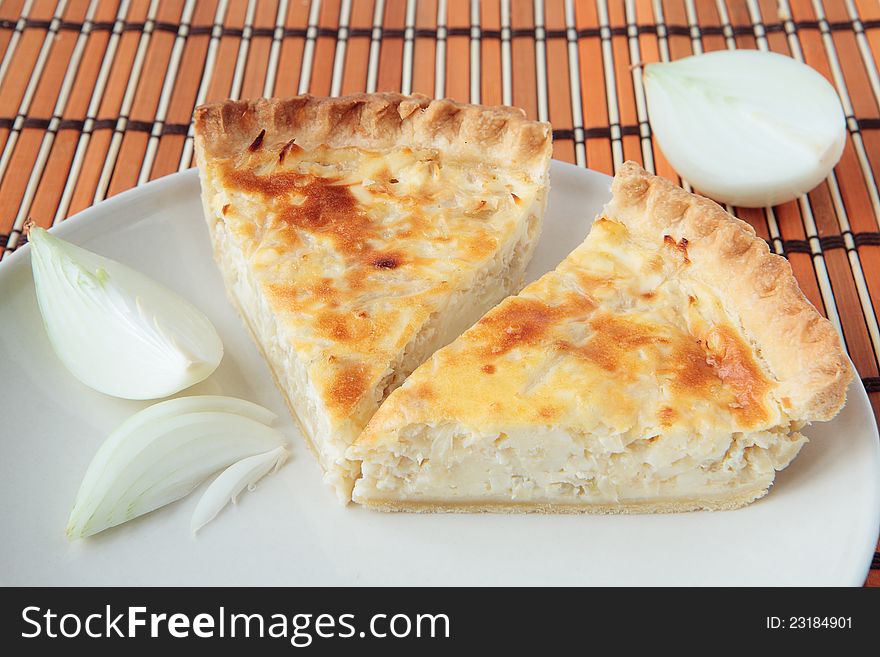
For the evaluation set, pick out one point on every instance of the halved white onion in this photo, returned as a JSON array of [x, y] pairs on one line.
[[232, 481], [746, 127], [117, 330], [162, 453]]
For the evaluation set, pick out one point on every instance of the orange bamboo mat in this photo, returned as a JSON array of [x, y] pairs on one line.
[[96, 97]]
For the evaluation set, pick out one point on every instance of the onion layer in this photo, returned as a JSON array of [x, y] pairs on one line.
[[232, 481], [162, 453]]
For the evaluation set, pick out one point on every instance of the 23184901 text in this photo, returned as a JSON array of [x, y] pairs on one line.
[[809, 623]]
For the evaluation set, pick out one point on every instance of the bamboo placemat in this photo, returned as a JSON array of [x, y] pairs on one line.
[[97, 96]]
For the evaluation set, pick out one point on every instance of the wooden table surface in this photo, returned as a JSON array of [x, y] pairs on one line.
[[97, 96]]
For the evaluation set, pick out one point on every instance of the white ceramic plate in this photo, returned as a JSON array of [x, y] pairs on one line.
[[817, 526]]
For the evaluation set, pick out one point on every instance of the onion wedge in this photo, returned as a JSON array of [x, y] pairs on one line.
[[117, 330], [232, 481]]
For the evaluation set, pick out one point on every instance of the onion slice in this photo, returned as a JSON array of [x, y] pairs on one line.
[[117, 330], [232, 481], [162, 453], [746, 127]]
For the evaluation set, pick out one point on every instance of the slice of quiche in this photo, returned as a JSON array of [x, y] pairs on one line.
[[667, 364], [358, 235]]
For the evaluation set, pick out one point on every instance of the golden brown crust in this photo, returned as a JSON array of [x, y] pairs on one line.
[[801, 348], [380, 121], [729, 503]]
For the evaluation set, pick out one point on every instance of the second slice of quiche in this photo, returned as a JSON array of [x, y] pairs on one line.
[[358, 235], [667, 364]]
